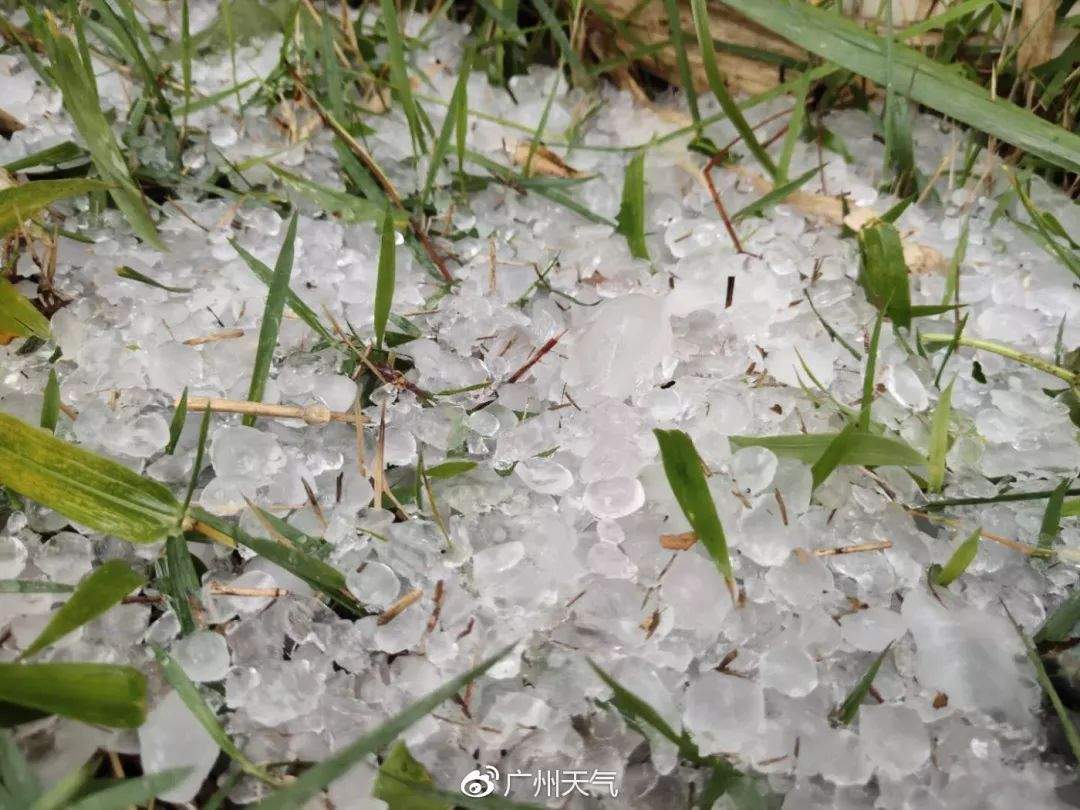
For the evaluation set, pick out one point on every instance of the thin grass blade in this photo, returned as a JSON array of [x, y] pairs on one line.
[[958, 563], [102, 694], [846, 711], [25, 201], [1051, 521], [632, 210], [939, 440], [131, 792], [384, 283], [176, 424], [863, 449], [833, 456]]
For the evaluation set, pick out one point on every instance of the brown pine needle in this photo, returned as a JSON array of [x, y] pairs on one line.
[[395, 609]]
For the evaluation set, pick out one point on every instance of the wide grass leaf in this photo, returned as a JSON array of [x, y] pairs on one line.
[[18, 316], [317, 777], [82, 486], [102, 694], [685, 475], [19, 787], [75, 79], [863, 449], [387, 273], [883, 274], [189, 693], [945, 575], [20, 203], [271, 320], [940, 87], [632, 210], [100, 590]]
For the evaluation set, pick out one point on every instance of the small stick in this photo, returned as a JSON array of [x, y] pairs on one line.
[[395, 609], [706, 175], [312, 414], [230, 590], [879, 545], [224, 334], [532, 361]]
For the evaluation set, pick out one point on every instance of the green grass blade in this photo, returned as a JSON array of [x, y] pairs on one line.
[[401, 779], [1071, 733], [770, 198], [399, 76], [18, 316], [867, 403], [939, 87], [685, 475], [833, 456], [846, 711], [340, 203], [134, 275], [18, 781], [102, 588], [50, 403], [271, 320], [883, 274], [130, 792], [296, 304], [794, 130], [50, 156], [33, 586], [22, 202], [176, 424], [863, 449], [958, 563], [686, 78], [102, 694], [82, 486], [185, 56], [189, 693], [939, 440], [179, 581], [899, 147], [384, 283], [76, 81], [449, 469], [316, 778], [1050, 527], [1059, 626], [453, 123], [719, 89], [632, 210], [196, 467], [1045, 232]]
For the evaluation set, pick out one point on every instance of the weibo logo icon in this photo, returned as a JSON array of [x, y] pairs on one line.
[[480, 782]]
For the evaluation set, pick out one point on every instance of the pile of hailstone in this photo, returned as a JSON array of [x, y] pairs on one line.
[[553, 538]]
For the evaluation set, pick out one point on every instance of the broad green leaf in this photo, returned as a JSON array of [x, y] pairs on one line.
[[50, 403], [84, 487], [1059, 625], [958, 563], [271, 319], [863, 449], [846, 711], [940, 87], [100, 590], [632, 210], [449, 469], [719, 89], [317, 777], [189, 693], [101, 694], [22, 202], [126, 793], [384, 283], [685, 475], [833, 455], [883, 274], [398, 776], [349, 207], [18, 316], [75, 77], [939, 440], [1051, 521]]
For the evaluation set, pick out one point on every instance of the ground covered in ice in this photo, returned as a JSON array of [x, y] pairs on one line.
[[553, 538]]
